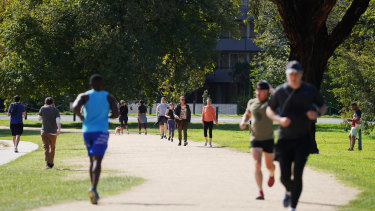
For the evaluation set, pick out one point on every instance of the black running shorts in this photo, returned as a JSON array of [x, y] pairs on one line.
[[162, 120], [266, 145], [16, 129]]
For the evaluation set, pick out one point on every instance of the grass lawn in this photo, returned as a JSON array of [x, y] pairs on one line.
[[25, 184], [355, 168]]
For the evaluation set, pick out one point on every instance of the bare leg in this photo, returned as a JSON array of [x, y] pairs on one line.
[[165, 129], [269, 163], [14, 141], [90, 170], [161, 126], [353, 142], [350, 141], [257, 155], [96, 169], [18, 137]]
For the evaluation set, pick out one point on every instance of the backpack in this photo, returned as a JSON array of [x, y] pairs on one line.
[[13, 109]]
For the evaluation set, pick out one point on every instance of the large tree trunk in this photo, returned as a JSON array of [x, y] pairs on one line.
[[304, 23]]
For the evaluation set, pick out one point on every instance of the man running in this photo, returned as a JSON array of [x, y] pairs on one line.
[[161, 118], [261, 135], [96, 104], [16, 112], [299, 104], [356, 125], [183, 117]]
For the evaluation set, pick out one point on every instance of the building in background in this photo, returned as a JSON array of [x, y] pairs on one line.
[[230, 78]]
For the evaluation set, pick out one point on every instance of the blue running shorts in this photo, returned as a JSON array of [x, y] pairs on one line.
[[96, 142]]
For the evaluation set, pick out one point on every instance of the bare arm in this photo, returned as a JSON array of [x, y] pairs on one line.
[[113, 105], [166, 113], [283, 121], [58, 123], [78, 103], [313, 115], [245, 118]]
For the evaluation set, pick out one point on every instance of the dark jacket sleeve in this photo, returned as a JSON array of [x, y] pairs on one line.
[[188, 115]]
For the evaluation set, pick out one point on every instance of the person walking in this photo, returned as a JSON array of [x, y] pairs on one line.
[[96, 105], [356, 125], [124, 116], [208, 118], [299, 104], [16, 112], [161, 118], [51, 127], [183, 117], [261, 135], [142, 119], [169, 113]]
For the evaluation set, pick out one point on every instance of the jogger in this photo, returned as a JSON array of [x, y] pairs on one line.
[[300, 104], [261, 134]]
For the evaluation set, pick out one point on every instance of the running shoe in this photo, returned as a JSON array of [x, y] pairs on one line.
[[169, 138], [292, 209], [94, 196], [16, 150], [210, 145], [271, 181], [161, 137], [205, 143], [287, 199], [185, 143], [139, 132], [260, 196], [128, 132], [146, 133], [179, 143]]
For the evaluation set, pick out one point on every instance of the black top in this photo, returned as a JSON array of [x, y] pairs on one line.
[[294, 104], [142, 109], [177, 111], [170, 113], [124, 111]]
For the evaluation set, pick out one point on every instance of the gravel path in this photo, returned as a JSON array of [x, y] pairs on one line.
[[200, 178]]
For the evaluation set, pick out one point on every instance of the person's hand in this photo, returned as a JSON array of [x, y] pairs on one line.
[[312, 115], [58, 132], [178, 118], [217, 124], [202, 123], [242, 125], [81, 117], [285, 122], [349, 120]]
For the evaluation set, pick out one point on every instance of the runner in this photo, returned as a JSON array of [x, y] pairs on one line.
[[51, 127], [296, 100], [183, 117], [161, 119], [96, 105], [142, 119], [169, 113], [16, 112], [261, 134], [208, 118], [356, 125], [124, 116]]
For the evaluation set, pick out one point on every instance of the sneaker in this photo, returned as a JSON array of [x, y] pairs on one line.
[[205, 143], [94, 196], [271, 181], [350, 149], [146, 133], [169, 138], [292, 209], [128, 132], [139, 133], [161, 137], [287, 199], [16, 150], [48, 166], [179, 143], [260, 196], [185, 143], [210, 145]]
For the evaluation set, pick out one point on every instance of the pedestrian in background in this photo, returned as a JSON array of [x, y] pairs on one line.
[[142, 118], [51, 127], [124, 116], [208, 118], [356, 125], [161, 119], [16, 112], [183, 117], [169, 113]]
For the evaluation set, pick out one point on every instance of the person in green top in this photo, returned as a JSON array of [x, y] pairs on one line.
[[261, 134]]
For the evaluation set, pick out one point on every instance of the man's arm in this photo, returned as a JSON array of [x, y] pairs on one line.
[[78, 103], [313, 115], [113, 105], [283, 121], [245, 118], [58, 123]]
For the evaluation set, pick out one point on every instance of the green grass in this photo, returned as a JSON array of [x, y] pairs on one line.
[[25, 184]]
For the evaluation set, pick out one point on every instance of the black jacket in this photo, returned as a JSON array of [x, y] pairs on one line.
[[177, 111]]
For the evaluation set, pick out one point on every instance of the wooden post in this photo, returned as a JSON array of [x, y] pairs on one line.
[[360, 140], [74, 117], [217, 114]]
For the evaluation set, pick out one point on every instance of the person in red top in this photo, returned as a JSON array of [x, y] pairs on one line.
[[356, 125], [208, 118]]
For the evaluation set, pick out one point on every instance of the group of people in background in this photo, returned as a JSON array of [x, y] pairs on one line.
[[294, 105]]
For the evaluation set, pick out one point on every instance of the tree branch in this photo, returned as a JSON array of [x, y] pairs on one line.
[[345, 26]]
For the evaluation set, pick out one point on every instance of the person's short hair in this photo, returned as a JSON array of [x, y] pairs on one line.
[[209, 99], [122, 101], [17, 98], [163, 98], [263, 85], [141, 102], [182, 97], [49, 101], [95, 79], [353, 104]]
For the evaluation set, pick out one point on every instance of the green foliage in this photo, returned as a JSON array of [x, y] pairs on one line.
[[140, 47], [205, 96]]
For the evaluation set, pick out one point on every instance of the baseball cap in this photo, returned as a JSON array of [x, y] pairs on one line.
[[293, 67], [263, 85]]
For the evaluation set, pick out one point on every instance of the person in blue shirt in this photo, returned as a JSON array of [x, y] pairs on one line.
[[16, 112], [96, 104]]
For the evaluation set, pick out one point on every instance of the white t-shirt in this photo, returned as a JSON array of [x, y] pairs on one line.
[[183, 112]]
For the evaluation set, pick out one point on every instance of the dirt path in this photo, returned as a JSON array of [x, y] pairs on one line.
[[199, 178]]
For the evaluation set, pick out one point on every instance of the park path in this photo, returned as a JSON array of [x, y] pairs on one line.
[[200, 178], [7, 153]]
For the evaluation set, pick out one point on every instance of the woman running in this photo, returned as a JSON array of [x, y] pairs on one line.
[[261, 134], [142, 119], [171, 123], [124, 116], [208, 118]]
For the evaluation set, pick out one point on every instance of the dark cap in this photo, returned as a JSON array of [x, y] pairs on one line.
[[263, 85], [293, 67]]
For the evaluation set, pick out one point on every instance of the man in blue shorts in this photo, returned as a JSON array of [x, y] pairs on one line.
[[96, 105]]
